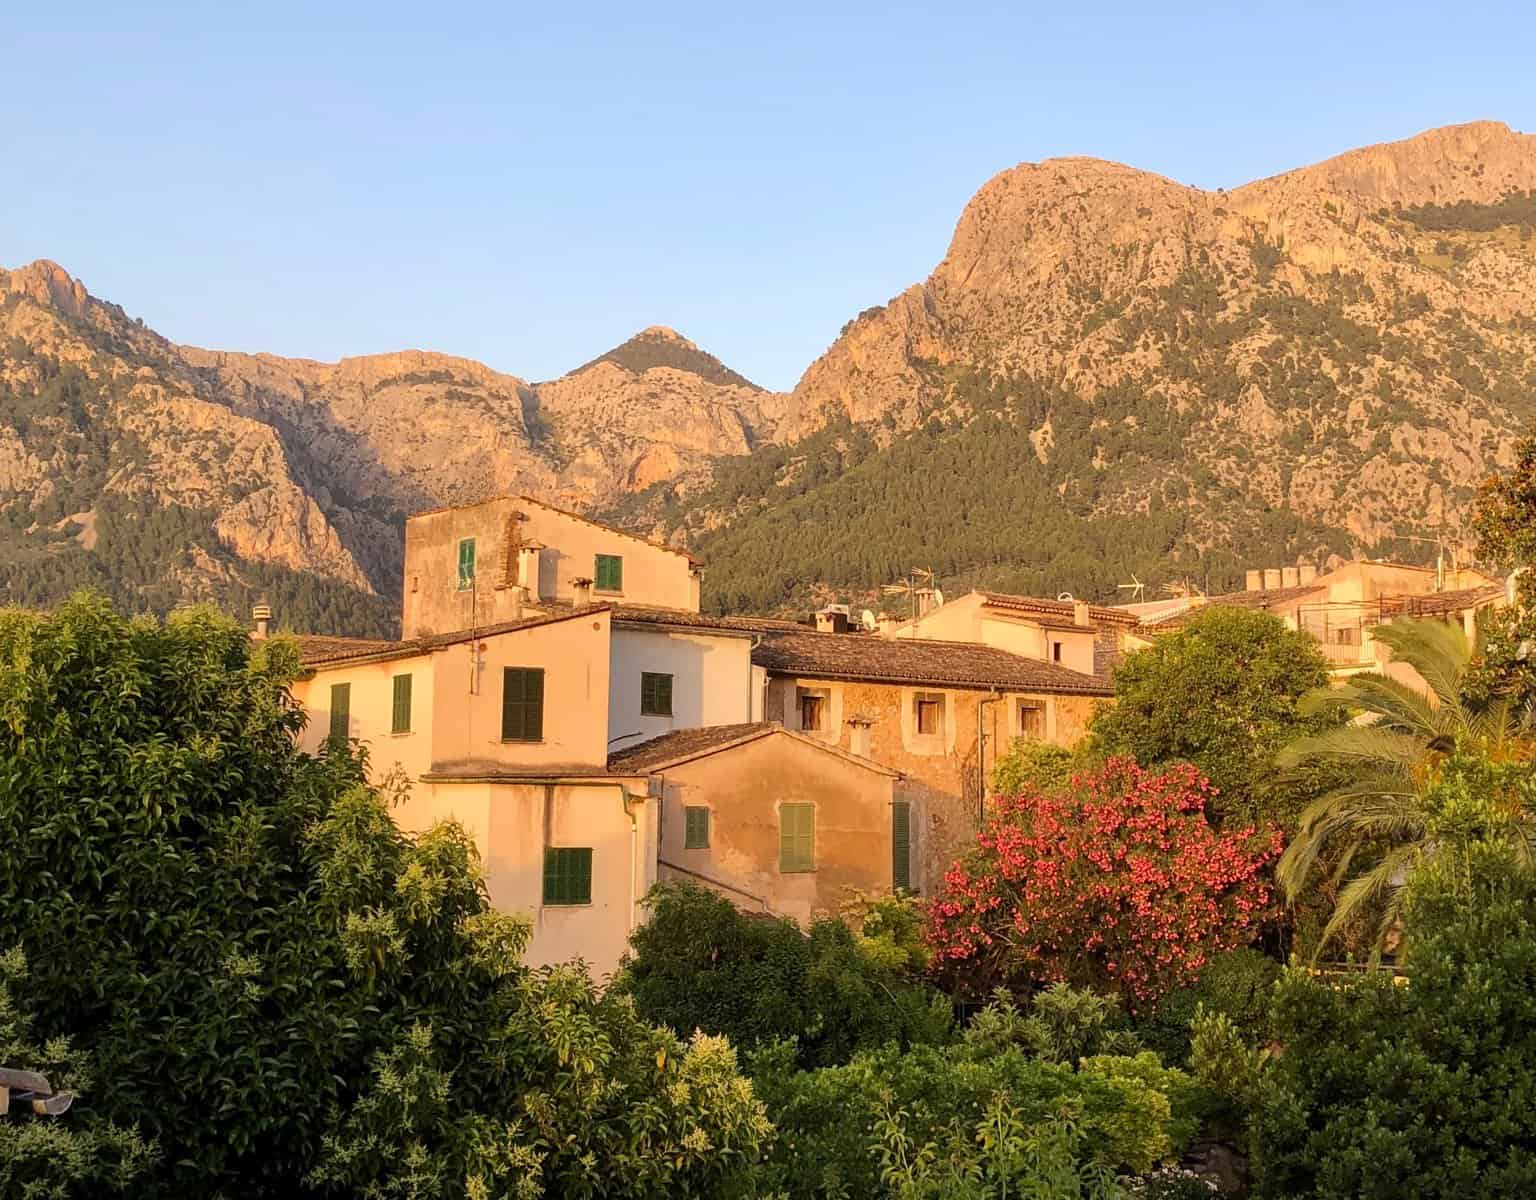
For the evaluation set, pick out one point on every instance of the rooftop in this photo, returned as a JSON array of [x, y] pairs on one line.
[[682, 745], [864, 658], [564, 512], [1062, 609], [318, 651]]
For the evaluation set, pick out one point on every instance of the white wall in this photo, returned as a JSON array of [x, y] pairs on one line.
[[712, 682]]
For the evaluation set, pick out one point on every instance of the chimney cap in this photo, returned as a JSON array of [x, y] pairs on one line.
[[261, 611]]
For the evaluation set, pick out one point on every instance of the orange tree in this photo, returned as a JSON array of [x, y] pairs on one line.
[[1116, 882]]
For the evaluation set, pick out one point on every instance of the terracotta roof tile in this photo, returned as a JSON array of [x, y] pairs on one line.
[[681, 743], [324, 651], [1057, 608], [317, 648], [919, 661], [646, 614], [1439, 603]]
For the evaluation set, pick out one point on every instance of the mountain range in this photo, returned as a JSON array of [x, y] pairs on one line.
[[1109, 374]]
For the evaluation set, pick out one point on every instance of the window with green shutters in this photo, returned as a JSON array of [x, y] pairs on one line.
[[341, 711], [466, 564], [901, 846], [797, 837], [695, 827], [655, 694], [567, 876], [522, 704], [400, 719], [608, 575]]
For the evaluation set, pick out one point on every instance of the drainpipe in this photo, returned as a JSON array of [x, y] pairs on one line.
[[981, 761], [634, 852]]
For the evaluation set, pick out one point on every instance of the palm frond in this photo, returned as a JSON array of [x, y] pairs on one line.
[[1380, 700], [1382, 880], [1354, 743], [1437, 650]]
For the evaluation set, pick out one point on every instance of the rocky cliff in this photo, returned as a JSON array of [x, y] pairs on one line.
[[306, 467]]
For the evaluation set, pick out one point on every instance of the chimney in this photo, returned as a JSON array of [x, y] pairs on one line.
[[1080, 613], [858, 735], [1253, 580], [832, 619], [886, 623], [581, 592], [261, 613], [528, 569], [1306, 573], [1271, 578], [1289, 577], [924, 601]]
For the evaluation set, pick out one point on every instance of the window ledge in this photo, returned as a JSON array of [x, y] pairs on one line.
[[520, 741], [566, 904], [401, 732]]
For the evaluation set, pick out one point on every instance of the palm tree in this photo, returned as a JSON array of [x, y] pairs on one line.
[[1390, 750]]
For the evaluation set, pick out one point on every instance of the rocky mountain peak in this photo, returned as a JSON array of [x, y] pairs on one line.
[[46, 283], [662, 346]]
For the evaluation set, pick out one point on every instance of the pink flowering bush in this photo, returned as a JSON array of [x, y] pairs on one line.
[[1116, 882]]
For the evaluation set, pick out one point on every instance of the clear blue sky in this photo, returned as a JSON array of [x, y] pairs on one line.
[[530, 185]]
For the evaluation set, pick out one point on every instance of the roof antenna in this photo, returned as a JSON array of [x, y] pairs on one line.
[[1137, 589]]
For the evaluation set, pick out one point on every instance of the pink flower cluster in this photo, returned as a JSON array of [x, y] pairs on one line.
[[1121, 883]]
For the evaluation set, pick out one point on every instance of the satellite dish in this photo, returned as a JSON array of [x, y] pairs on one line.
[[1066, 596], [938, 597], [867, 619]]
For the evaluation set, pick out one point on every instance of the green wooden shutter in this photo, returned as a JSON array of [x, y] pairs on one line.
[[400, 719], [466, 564], [341, 710], [655, 693], [522, 704], [901, 846], [797, 837], [608, 574], [696, 828], [567, 875]]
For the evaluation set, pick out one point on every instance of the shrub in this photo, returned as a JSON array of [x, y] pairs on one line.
[[1121, 885], [700, 963], [1424, 1090], [1237, 984], [1031, 765]]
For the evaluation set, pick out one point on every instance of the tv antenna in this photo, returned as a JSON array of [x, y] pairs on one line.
[[916, 582], [1137, 589]]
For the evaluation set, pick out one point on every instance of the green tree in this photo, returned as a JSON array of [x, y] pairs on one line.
[[1423, 1091], [1505, 523], [700, 963], [1222, 693], [46, 1159], [278, 986], [1371, 828]]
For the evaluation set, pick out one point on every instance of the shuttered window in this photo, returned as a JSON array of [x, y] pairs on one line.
[[466, 564], [655, 694], [341, 711], [930, 715], [400, 718], [608, 574], [797, 837], [1031, 720], [567, 876], [522, 704], [901, 846], [695, 827]]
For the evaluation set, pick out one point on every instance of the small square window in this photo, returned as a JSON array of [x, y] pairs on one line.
[[813, 709], [695, 827], [608, 573], [930, 715], [568, 876], [655, 694], [1031, 720]]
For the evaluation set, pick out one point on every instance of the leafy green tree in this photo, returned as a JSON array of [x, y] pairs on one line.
[[1038, 765], [1391, 809], [700, 963], [46, 1159], [1505, 523], [1424, 1091], [1223, 693], [286, 993]]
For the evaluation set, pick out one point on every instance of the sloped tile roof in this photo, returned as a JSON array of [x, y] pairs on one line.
[[1440, 603], [917, 661], [1061, 609], [682, 743], [316, 651], [646, 614]]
